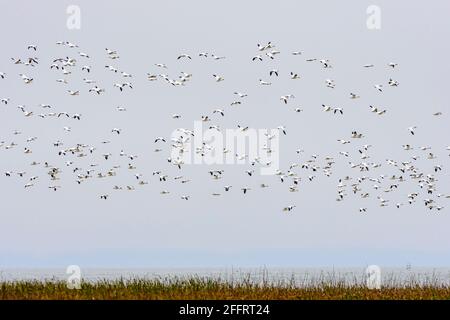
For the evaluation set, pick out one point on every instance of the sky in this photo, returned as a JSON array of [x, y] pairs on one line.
[[142, 228]]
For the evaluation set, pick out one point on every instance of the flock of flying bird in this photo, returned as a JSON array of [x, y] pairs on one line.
[[358, 184]]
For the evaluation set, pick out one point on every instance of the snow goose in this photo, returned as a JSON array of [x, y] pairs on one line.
[[330, 83], [217, 57], [111, 68], [218, 78], [110, 52], [379, 87], [273, 71], [184, 55], [97, 90], [25, 78], [286, 98], [393, 83], [272, 54], [411, 129], [294, 76], [240, 94]]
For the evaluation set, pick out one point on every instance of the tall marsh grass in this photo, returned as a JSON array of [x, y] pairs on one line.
[[325, 286]]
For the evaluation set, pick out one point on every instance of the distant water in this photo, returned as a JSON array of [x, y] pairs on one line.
[[294, 276]]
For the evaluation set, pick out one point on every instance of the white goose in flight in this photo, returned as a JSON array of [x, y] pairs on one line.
[[326, 108], [282, 129], [373, 109], [240, 94], [157, 139], [25, 78], [110, 52], [73, 93], [17, 60], [71, 45], [393, 83], [379, 87], [286, 98], [218, 78], [262, 48], [217, 57], [245, 189], [272, 54], [111, 68], [161, 65], [330, 83], [325, 63], [88, 81], [340, 110], [294, 76], [273, 72], [411, 129], [184, 55], [119, 85], [97, 90], [220, 111]]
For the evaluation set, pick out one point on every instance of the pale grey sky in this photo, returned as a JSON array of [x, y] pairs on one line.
[[143, 228]]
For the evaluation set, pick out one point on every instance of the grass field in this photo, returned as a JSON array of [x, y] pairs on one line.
[[204, 288]]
